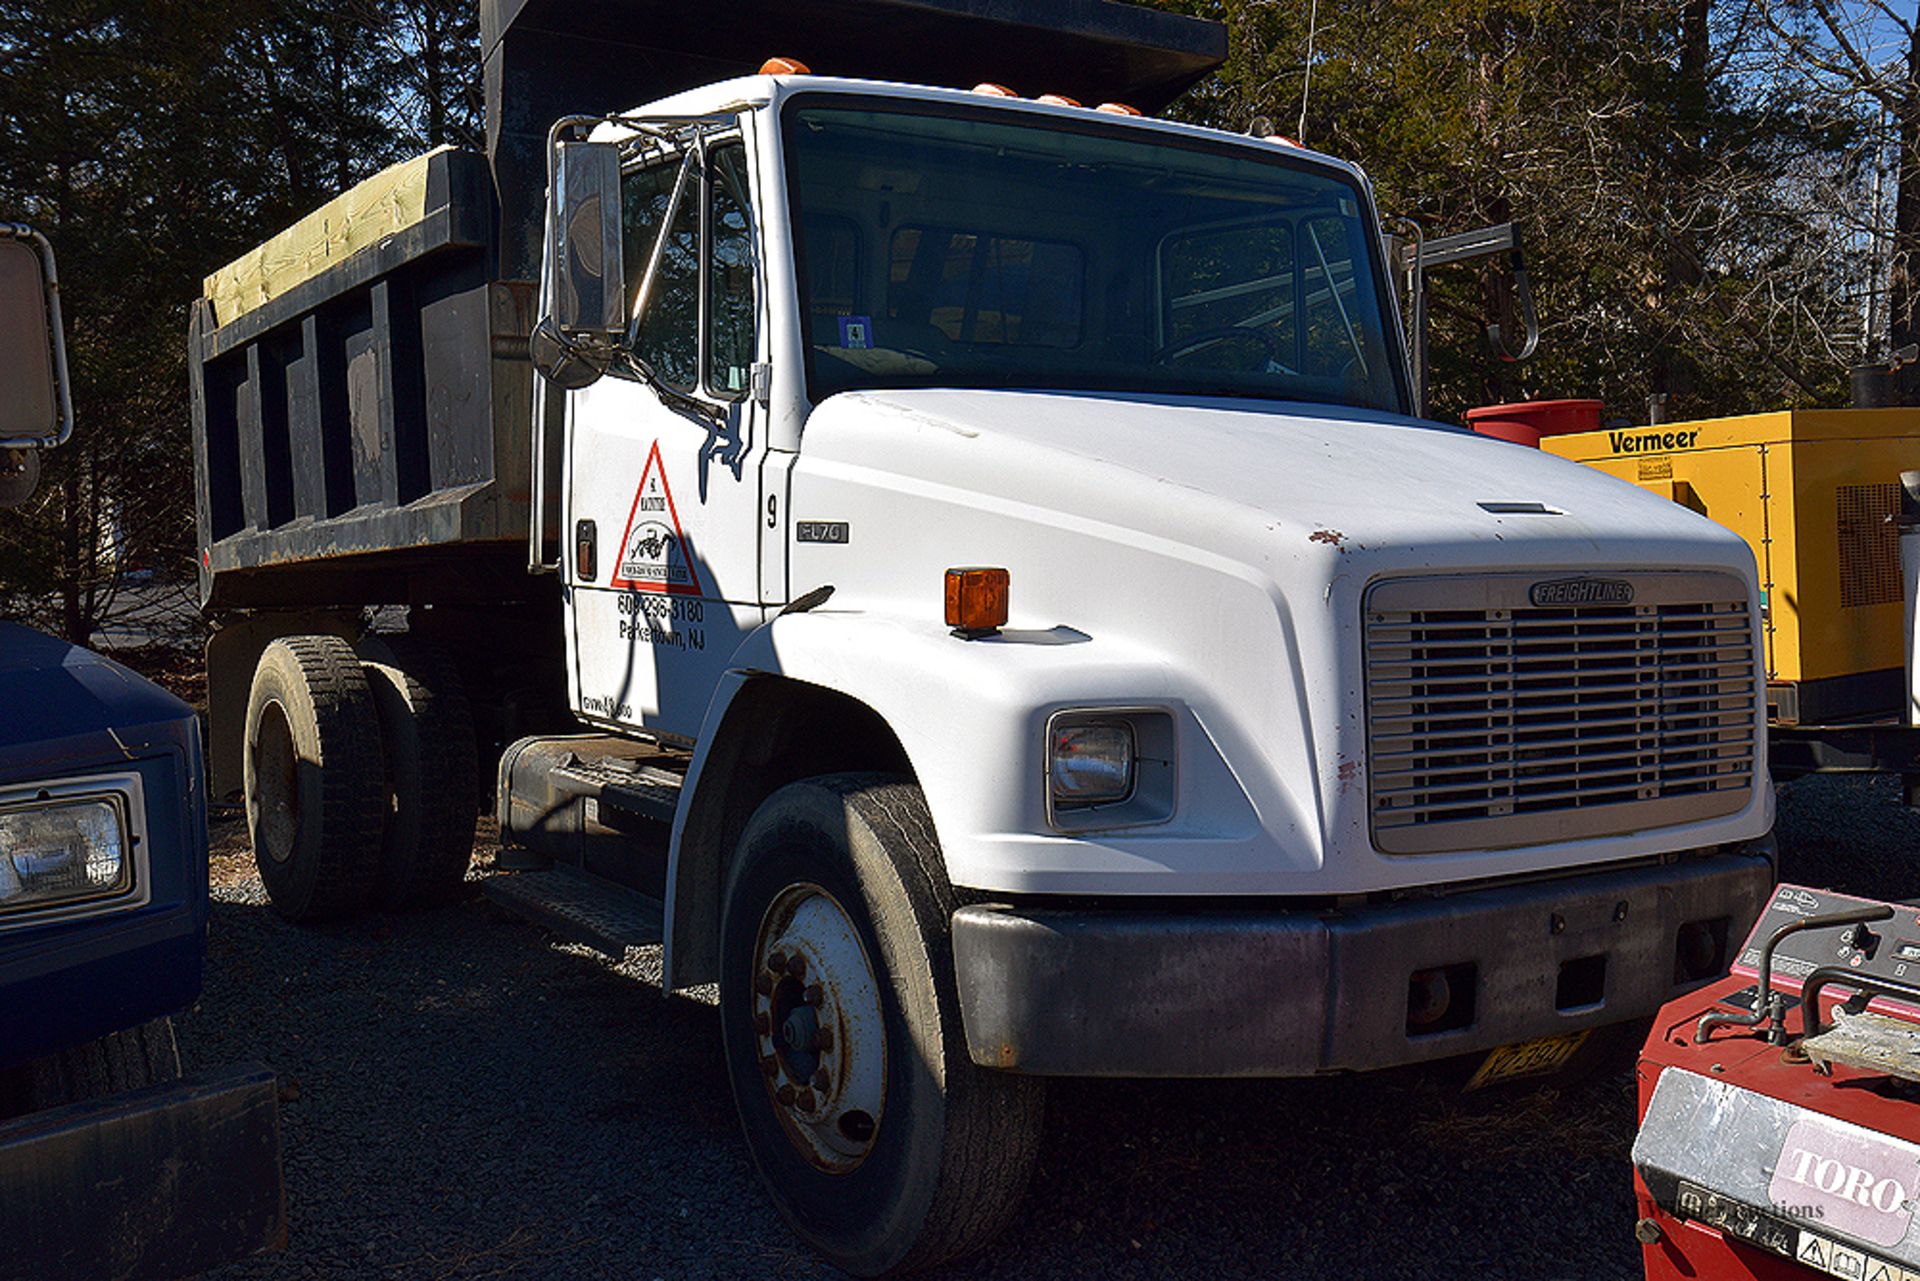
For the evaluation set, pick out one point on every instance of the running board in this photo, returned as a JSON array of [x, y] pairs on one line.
[[581, 908]]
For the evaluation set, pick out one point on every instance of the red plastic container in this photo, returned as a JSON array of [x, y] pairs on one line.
[[1526, 422]]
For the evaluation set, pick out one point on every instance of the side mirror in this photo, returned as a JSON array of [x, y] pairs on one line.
[[37, 410], [585, 285]]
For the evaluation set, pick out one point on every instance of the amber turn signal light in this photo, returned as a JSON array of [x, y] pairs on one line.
[[784, 67], [976, 601]]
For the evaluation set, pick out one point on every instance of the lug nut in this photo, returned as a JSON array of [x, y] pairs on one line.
[[761, 1023], [776, 962], [823, 1039], [804, 1100], [763, 984], [786, 1095], [770, 1065], [797, 966], [821, 1080], [814, 994]]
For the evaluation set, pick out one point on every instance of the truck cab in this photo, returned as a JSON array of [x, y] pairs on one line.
[[111, 1162], [1437, 745]]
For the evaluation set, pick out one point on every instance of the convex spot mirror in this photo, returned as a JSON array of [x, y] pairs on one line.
[[33, 404], [19, 475], [565, 362], [585, 285]]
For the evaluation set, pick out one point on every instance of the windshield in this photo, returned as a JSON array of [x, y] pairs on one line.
[[974, 248]]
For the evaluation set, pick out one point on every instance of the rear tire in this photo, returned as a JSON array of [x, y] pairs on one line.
[[883, 1145], [315, 778], [427, 738]]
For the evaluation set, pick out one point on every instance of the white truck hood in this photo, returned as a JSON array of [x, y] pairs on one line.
[[1325, 479], [1218, 554]]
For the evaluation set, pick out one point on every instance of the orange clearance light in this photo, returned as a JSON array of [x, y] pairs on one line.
[[1056, 100], [1118, 109], [784, 67], [976, 601], [993, 90]]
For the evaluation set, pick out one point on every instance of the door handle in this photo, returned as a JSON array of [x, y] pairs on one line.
[[586, 551]]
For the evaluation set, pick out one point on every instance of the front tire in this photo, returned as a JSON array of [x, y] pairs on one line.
[[879, 1140], [129, 1060]]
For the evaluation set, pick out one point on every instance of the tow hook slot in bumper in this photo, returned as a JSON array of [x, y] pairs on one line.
[[1163, 990], [161, 1182]]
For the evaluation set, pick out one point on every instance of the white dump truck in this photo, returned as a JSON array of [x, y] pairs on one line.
[[991, 610]]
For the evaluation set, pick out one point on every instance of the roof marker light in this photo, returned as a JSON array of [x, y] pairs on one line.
[[993, 90], [1118, 109], [1056, 100], [784, 67]]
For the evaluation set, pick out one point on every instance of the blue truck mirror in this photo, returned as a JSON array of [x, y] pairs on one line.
[[37, 410], [19, 475]]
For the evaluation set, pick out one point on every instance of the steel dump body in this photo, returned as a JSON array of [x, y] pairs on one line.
[[362, 397]]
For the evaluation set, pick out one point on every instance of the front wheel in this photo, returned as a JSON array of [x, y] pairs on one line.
[[140, 1056], [877, 1137]]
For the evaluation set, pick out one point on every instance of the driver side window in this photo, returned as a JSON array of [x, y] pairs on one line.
[[669, 337]]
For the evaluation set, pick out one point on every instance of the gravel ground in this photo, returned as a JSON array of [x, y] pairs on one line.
[[466, 1098]]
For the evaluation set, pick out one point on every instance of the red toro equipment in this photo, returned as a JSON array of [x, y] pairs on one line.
[[1780, 1107]]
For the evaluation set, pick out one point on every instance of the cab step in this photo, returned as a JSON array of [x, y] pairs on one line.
[[581, 908], [641, 789], [595, 801]]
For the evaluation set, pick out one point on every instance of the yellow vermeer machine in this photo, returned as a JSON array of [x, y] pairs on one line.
[[1818, 495]]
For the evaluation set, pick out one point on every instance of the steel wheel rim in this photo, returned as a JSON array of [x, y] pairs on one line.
[[819, 1028], [276, 822]]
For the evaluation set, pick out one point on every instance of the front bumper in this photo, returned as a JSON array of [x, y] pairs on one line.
[[162, 1182], [1175, 991]]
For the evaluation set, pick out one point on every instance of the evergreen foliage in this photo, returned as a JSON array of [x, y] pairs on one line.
[[1693, 189]]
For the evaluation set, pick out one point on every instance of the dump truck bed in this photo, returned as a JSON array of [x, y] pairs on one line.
[[362, 397]]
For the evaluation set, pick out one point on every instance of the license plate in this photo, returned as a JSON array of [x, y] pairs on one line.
[[1528, 1058]]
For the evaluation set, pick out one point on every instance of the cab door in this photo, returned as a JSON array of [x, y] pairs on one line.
[[664, 455]]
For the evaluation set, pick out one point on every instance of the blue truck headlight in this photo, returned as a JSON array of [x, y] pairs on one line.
[[59, 849]]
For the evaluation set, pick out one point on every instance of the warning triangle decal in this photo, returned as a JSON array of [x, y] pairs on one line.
[[1810, 1251], [653, 551]]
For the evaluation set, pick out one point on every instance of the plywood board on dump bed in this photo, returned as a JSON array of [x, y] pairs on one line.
[[391, 201]]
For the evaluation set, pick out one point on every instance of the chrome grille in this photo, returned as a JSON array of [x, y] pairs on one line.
[[1493, 722]]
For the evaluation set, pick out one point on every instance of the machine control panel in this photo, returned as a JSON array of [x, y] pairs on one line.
[[1886, 949]]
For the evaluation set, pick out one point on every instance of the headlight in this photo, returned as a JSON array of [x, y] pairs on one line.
[[1109, 768], [64, 849], [1090, 764]]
